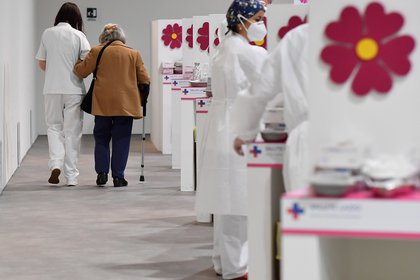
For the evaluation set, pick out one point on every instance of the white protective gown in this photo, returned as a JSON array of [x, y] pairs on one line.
[[223, 189], [285, 73]]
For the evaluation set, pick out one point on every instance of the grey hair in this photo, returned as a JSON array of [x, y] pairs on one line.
[[112, 32]]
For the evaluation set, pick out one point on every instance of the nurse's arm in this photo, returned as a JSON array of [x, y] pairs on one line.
[[83, 68], [245, 124], [42, 64]]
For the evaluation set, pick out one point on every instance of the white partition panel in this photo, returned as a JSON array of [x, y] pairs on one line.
[[201, 39], [166, 47], [301, 2], [282, 18], [2, 115], [187, 45], [214, 23], [363, 89], [368, 90]]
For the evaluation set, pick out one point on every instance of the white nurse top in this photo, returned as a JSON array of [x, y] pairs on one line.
[[61, 47]]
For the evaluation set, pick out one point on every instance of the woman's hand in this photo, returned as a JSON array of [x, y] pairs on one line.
[[237, 146], [42, 64]]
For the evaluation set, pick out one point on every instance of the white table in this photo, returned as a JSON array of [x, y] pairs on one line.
[[176, 84], [167, 112], [201, 109], [265, 186], [355, 237], [188, 96]]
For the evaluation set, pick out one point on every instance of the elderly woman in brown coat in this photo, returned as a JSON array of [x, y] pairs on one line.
[[115, 102]]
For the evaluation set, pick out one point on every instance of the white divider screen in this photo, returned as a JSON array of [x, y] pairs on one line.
[[201, 39], [214, 22], [281, 18], [167, 47], [301, 2], [187, 45], [364, 75]]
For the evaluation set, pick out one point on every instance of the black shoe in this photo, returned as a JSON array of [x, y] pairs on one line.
[[120, 182], [102, 178], [55, 173]]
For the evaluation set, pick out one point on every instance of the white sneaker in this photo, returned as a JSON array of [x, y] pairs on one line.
[[72, 183]]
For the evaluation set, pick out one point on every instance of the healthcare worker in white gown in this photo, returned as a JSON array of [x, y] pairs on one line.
[[285, 73], [222, 186]]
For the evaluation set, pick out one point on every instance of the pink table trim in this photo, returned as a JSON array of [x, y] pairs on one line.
[[190, 98], [368, 234], [264, 165]]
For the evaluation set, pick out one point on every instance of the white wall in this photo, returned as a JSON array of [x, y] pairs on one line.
[[21, 100], [134, 16], [17, 93], [2, 85]]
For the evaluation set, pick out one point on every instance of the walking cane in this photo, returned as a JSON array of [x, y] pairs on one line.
[[144, 93], [143, 138]]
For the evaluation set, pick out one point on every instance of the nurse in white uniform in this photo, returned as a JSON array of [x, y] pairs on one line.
[[286, 74], [223, 182], [61, 47]]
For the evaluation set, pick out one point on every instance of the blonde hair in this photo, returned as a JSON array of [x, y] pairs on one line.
[[112, 32]]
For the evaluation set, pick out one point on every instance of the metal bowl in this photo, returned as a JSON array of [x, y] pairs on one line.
[[273, 136], [330, 190]]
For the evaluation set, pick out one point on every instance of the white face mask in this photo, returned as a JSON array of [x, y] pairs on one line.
[[256, 31]]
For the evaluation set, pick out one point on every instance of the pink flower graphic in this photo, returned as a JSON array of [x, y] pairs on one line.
[[216, 41], [172, 36], [304, 1], [190, 37], [293, 22], [203, 36], [368, 45]]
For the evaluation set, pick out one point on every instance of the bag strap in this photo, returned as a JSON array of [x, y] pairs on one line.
[[99, 58]]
